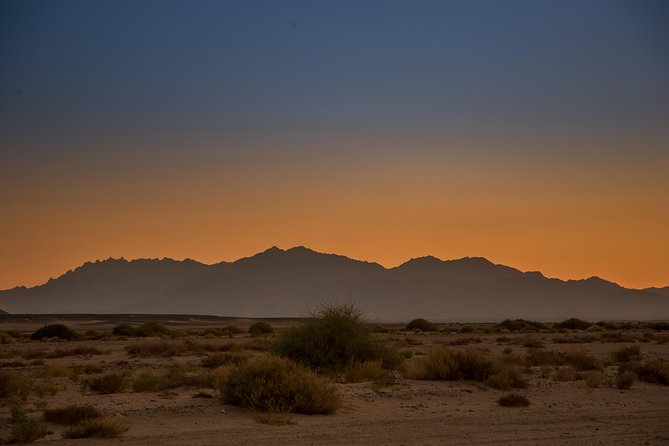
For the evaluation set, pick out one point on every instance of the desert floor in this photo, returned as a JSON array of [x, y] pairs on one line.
[[394, 410]]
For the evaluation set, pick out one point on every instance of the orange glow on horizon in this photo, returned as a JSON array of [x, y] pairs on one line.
[[566, 222]]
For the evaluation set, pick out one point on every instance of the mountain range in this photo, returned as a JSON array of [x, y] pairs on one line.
[[286, 283]]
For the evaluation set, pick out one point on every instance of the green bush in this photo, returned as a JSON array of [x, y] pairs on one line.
[[337, 338], [421, 324], [274, 384], [59, 331], [261, 329]]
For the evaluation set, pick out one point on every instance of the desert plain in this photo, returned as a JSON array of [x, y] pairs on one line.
[[170, 376]]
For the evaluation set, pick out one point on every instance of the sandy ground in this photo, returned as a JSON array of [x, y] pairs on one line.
[[405, 412]]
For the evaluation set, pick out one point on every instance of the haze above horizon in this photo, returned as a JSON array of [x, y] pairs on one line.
[[532, 133]]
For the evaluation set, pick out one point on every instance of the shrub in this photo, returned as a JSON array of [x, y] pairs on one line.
[[96, 428], [566, 373], [451, 365], [71, 414], [574, 324], [337, 338], [506, 378], [625, 380], [656, 371], [513, 400], [124, 330], [261, 329], [228, 358], [581, 360], [59, 331], [532, 342], [28, 430], [15, 385], [112, 382], [545, 357], [275, 384], [421, 324], [146, 382], [626, 354], [521, 325], [593, 378]]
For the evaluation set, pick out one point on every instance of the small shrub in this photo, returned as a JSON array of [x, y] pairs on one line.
[[15, 385], [574, 324], [625, 380], [96, 428], [112, 382], [452, 365], [593, 378], [261, 329], [157, 348], [520, 325], [274, 384], [123, 330], [421, 324], [656, 371], [71, 414], [566, 373], [513, 400], [507, 378], [59, 331], [227, 358], [335, 339], [545, 357], [28, 430], [581, 360], [626, 354]]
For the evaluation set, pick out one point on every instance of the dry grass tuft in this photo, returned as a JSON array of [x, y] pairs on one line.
[[274, 384], [112, 382], [363, 371], [626, 354], [452, 365], [592, 378]]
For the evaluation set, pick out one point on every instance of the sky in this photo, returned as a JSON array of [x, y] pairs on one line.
[[535, 134]]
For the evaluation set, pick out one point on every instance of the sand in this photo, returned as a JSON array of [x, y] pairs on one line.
[[402, 412]]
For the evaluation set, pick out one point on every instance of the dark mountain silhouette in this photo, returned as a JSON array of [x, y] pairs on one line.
[[290, 282]]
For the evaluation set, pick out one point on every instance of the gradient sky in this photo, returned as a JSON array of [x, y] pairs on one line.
[[533, 133]]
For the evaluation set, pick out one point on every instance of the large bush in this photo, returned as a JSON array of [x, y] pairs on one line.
[[574, 324], [421, 324], [59, 331], [336, 338], [274, 384]]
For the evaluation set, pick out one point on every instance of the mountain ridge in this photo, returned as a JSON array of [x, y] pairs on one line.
[[278, 282]]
